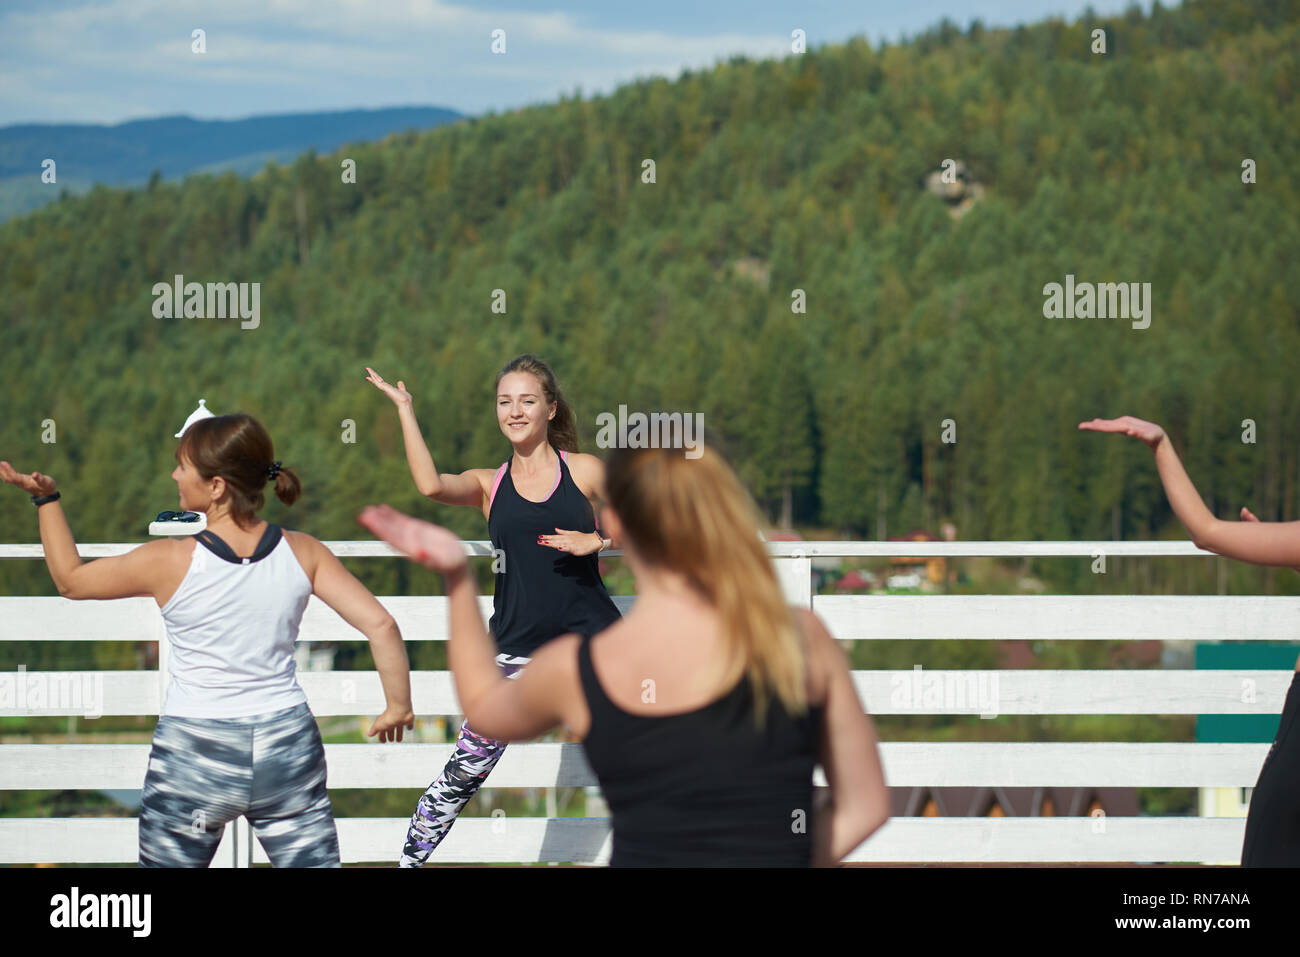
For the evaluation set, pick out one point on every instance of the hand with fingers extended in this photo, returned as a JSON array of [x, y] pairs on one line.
[[389, 725], [33, 483], [1148, 432], [397, 393], [575, 543], [431, 545]]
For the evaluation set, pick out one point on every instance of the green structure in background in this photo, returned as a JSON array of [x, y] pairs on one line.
[[1214, 728]]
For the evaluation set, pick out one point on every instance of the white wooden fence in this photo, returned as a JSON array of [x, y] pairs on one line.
[[586, 840]]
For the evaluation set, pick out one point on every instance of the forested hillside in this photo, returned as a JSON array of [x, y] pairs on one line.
[[770, 177]]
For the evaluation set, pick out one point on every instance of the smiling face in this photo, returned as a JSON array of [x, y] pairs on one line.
[[522, 410]]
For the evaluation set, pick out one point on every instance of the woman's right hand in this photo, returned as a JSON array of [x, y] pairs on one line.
[[389, 725], [398, 394], [33, 483], [431, 545]]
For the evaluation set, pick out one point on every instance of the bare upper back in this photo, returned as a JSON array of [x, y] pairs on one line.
[[660, 663]]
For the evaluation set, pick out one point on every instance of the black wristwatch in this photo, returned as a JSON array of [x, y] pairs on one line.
[[39, 500]]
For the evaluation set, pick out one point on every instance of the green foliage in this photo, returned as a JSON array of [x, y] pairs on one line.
[[1123, 167]]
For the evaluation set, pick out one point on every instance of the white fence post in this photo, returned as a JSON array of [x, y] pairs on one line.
[[795, 574]]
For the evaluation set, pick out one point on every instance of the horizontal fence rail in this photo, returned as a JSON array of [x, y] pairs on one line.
[[1036, 691], [907, 764], [586, 840], [990, 693]]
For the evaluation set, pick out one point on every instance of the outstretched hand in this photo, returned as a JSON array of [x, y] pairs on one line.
[[431, 545], [33, 483], [1148, 432], [398, 394]]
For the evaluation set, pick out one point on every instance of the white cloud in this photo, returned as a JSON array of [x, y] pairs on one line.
[[103, 53]]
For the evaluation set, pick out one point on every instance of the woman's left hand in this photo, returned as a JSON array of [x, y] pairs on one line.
[[575, 543], [431, 545], [33, 483]]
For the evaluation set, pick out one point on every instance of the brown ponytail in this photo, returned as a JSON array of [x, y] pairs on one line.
[[238, 448]]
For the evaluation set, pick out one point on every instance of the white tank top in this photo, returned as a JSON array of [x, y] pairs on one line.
[[232, 627]]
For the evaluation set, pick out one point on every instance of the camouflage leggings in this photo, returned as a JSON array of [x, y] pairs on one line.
[[474, 758]]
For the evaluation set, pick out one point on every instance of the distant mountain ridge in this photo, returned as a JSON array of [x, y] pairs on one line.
[[126, 154]]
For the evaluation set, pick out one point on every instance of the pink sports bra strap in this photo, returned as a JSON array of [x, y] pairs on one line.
[[558, 473], [497, 481]]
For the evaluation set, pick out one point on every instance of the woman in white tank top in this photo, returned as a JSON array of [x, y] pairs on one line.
[[235, 736]]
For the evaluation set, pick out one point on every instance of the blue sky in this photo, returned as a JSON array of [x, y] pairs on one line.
[[71, 61]]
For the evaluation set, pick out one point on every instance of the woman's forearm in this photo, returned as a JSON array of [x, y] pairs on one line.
[[393, 665], [838, 828], [1183, 497], [56, 539], [838, 831], [847, 833], [470, 651], [417, 453]]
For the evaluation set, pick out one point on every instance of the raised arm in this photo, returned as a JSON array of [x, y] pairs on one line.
[[848, 753], [339, 588], [463, 488], [501, 708], [1262, 543], [122, 576]]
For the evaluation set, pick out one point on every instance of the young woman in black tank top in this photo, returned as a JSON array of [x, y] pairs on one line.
[[1273, 822], [704, 712], [543, 528]]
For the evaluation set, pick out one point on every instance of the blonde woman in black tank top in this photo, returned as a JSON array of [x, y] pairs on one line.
[[540, 519], [704, 711]]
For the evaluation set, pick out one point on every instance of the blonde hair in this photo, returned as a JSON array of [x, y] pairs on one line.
[[694, 517]]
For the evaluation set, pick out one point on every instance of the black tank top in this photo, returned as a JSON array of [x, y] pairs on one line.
[[542, 593], [705, 788]]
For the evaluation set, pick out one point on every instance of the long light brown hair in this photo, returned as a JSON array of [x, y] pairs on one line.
[[561, 431], [693, 516]]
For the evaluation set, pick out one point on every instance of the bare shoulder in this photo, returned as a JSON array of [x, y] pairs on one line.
[[167, 551], [306, 548], [484, 478], [588, 471], [167, 545]]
